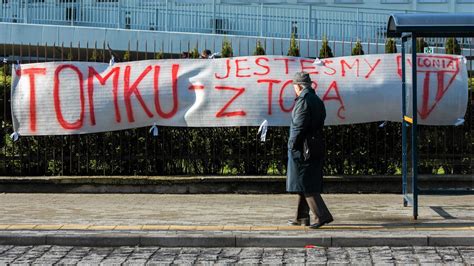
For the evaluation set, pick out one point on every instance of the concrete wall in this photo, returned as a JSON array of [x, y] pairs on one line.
[[168, 42]]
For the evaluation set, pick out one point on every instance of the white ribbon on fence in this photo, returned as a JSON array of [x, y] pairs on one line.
[[58, 98], [262, 131]]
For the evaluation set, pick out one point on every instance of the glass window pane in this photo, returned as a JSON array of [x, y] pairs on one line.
[[348, 1], [395, 1], [432, 1]]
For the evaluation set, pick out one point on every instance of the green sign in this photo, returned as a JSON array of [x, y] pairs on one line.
[[429, 50]]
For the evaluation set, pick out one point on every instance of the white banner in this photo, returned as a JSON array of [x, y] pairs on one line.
[[59, 98]]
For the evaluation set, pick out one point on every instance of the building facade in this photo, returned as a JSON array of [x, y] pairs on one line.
[[174, 26], [310, 19]]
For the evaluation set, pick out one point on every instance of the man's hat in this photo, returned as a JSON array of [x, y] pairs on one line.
[[301, 78]]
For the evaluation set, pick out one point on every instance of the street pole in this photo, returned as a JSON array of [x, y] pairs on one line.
[[414, 133], [404, 125]]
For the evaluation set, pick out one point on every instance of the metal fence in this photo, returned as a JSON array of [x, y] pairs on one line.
[[363, 149], [265, 20]]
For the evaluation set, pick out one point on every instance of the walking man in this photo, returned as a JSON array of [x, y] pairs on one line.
[[306, 151]]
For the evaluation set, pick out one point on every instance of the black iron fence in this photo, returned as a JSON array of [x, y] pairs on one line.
[[363, 149]]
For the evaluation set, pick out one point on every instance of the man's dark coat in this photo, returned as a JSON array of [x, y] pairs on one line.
[[305, 175]]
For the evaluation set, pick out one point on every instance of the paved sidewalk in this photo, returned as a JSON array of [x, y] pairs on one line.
[[230, 220]]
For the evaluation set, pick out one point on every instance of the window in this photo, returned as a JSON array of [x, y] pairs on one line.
[[311, 1], [240, 2], [128, 20], [66, 1], [107, 1], [294, 29], [152, 3], [432, 1], [276, 1], [465, 1], [192, 1], [35, 1], [70, 13], [348, 1], [395, 1]]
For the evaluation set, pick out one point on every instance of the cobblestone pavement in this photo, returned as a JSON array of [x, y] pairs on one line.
[[223, 209], [16, 255]]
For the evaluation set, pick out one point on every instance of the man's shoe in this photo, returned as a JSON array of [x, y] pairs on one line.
[[318, 225], [304, 221]]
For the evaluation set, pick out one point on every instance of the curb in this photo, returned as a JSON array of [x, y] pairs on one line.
[[102, 239], [216, 184], [221, 228]]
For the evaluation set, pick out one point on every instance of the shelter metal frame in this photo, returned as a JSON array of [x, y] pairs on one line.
[[413, 26]]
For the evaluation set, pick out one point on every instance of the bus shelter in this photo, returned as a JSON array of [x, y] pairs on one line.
[[413, 26]]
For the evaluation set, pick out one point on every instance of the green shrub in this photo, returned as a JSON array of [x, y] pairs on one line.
[[294, 50], [452, 46], [325, 51], [5, 88], [126, 56], [70, 57], [420, 45], [95, 56], [357, 49], [390, 46], [226, 49], [259, 50], [194, 53], [159, 55]]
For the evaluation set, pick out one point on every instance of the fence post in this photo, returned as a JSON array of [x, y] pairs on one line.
[[261, 19], [166, 15], [119, 11], [357, 23], [213, 17], [71, 7], [25, 11], [309, 22]]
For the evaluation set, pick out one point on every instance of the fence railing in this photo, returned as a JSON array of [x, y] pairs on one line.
[[265, 20], [363, 149]]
